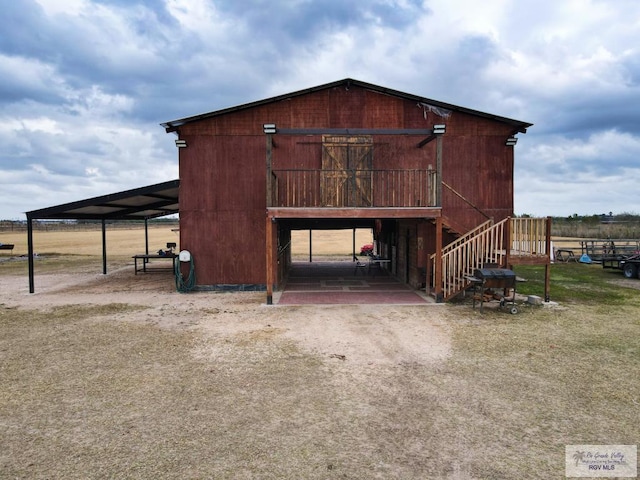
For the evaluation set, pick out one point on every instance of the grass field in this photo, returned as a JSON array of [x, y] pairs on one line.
[[100, 388]]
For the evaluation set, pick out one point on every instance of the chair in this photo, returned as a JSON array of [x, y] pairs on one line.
[[359, 265]]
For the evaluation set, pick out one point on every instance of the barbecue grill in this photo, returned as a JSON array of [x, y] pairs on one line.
[[485, 279]]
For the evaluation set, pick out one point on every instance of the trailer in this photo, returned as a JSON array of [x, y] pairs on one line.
[[629, 264], [609, 249]]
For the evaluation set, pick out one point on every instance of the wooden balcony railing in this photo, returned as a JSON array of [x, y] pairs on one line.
[[529, 236], [353, 188]]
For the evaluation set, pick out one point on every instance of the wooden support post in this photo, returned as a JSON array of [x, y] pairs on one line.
[[437, 267], [427, 288], [269, 259], [353, 244], [269, 171], [547, 267], [438, 170], [270, 220]]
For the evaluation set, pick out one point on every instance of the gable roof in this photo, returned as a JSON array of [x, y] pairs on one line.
[[138, 204], [519, 126]]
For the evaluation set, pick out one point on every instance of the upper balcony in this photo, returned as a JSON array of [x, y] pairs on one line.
[[353, 188], [348, 184]]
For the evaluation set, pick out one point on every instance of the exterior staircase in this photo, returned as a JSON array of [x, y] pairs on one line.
[[486, 244]]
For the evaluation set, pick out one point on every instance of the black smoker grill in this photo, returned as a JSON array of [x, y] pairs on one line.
[[489, 278]]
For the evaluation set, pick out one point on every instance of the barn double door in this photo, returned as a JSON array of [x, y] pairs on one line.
[[347, 171]]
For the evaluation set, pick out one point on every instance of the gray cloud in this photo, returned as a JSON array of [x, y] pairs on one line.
[[85, 83]]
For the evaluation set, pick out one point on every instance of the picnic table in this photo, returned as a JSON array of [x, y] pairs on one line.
[[565, 255], [147, 257]]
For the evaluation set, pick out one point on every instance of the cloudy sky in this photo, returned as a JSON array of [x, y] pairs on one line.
[[84, 84]]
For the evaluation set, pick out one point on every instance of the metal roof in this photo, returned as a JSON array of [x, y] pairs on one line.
[[519, 126], [138, 204]]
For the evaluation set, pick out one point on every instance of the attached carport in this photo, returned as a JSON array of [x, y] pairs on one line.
[[142, 203]]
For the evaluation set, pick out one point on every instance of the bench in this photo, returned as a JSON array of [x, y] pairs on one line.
[[7, 246], [145, 259]]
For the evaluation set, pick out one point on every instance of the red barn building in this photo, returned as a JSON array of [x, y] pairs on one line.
[[419, 172]]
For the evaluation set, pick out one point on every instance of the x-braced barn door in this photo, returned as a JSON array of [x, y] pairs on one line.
[[346, 171]]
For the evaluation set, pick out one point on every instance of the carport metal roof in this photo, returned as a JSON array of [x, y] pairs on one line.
[[138, 204], [141, 203]]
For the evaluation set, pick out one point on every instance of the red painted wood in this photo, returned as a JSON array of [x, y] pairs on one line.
[[222, 171]]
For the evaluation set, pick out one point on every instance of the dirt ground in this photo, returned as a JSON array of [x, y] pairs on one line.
[[120, 376], [399, 333], [312, 374]]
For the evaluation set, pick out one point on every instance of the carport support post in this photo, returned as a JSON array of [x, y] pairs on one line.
[[104, 248], [146, 236], [30, 252]]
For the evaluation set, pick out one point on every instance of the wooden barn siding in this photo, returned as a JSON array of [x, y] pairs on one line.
[[334, 108], [407, 234], [480, 167], [222, 170], [222, 208], [401, 251]]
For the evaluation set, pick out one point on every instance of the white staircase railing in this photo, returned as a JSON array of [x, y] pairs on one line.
[[487, 244], [460, 240]]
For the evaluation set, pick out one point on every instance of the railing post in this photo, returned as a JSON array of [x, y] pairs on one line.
[[547, 267], [508, 241], [430, 188]]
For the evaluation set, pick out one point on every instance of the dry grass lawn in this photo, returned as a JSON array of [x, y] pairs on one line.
[[122, 377]]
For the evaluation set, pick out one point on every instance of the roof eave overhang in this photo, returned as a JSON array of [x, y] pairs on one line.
[[519, 126]]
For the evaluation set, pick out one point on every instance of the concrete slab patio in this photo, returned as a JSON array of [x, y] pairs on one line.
[[337, 283]]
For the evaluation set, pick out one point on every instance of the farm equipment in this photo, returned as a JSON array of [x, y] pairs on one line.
[[600, 250], [629, 264]]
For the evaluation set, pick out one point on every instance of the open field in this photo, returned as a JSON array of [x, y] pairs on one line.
[[119, 376], [129, 241], [120, 242]]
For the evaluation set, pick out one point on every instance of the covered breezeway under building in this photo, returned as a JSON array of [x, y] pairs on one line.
[[391, 275]]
